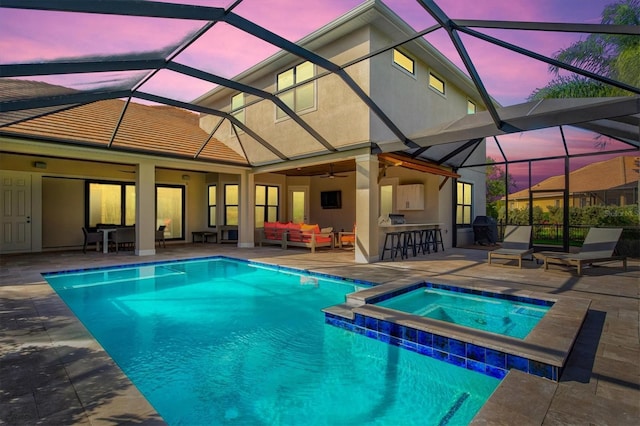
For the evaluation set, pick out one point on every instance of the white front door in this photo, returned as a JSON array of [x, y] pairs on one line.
[[298, 204], [15, 200]]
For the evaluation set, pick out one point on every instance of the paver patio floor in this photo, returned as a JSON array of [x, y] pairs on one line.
[[53, 372]]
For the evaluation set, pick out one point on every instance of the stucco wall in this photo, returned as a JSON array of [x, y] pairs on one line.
[[58, 214], [339, 219], [407, 99], [62, 212], [339, 116]]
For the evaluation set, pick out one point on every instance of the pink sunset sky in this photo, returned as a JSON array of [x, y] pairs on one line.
[[28, 36]]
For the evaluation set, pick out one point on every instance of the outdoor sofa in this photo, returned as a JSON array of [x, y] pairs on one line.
[[296, 235]]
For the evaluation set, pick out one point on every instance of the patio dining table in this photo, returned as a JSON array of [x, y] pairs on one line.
[[105, 239]]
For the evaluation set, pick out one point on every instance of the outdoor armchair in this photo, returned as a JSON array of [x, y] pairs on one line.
[[91, 237], [160, 236], [347, 238]]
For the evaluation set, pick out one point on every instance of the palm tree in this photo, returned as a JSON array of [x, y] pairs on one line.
[[613, 56]]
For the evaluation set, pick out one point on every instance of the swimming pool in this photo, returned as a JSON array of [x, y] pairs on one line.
[[514, 317], [221, 341]]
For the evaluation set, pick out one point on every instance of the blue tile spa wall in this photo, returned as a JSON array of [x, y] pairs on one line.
[[484, 293], [463, 354]]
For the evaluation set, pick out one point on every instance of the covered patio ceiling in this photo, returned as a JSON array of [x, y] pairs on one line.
[[37, 89]]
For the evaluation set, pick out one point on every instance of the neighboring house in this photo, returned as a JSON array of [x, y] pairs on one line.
[[195, 174], [609, 182]]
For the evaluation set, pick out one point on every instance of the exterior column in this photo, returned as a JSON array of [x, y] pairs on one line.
[[367, 248], [145, 209], [247, 210]]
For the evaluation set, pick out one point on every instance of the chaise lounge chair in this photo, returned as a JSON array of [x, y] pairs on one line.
[[515, 245], [598, 246]]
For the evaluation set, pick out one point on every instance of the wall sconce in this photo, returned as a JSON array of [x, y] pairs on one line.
[[39, 164], [186, 177]]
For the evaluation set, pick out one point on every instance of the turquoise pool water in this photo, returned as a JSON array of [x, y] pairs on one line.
[[508, 317], [218, 341]]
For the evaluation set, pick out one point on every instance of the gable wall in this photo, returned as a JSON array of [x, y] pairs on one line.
[[407, 99], [339, 116]]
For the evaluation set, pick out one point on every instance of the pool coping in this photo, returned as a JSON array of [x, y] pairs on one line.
[[547, 346], [543, 389]]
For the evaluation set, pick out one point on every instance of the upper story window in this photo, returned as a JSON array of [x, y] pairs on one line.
[[237, 110], [471, 107], [403, 61], [302, 97], [436, 83]]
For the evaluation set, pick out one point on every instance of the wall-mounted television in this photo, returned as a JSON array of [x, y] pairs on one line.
[[331, 199]]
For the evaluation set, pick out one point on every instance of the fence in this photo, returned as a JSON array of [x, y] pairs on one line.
[[550, 234]]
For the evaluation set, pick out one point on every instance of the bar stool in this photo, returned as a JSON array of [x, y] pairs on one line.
[[437, 239], [407, 243], [418, 242], [429, 239], [424, 240], [392, 244]]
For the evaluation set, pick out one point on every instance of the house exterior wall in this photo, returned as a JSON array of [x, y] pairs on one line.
[[407, 99], [58, 194], [62, 212], [343, 119], [477, 177], [339, 115], [339, 219]]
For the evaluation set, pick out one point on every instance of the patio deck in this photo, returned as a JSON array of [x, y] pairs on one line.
[[53, 372]]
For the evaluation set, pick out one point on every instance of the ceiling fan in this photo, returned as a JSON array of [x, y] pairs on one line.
[[331, 174]]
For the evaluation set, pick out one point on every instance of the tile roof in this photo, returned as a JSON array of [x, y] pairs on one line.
[[598, 176], [162, 130]]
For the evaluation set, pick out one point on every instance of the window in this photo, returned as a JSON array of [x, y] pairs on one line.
[[114, 203], [170, 210], [403, 61], [464, 205], [386, 200], [213, 193], [471, 107], [300, 98], [110, 203], [436, 83], [231, 197], [237, 102], [266, 204]]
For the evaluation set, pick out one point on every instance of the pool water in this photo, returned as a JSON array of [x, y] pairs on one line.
[[508, 317], [219, 341]]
